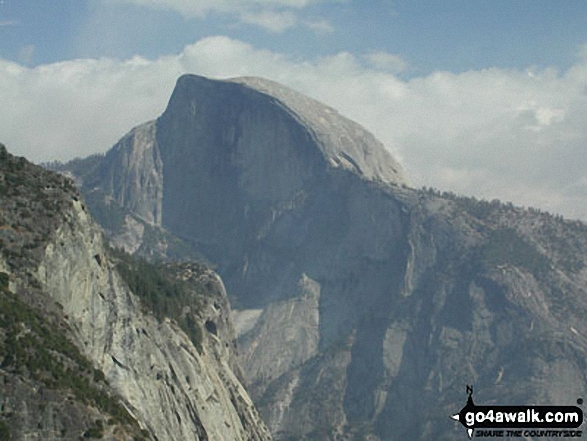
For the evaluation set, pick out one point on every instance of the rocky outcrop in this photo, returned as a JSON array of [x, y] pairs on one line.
[[344, 143], [140, 188], [364, 306], [286, 334], [48, 389], [173, 390]]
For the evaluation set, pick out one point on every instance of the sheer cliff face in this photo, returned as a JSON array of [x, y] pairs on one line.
[[175, 391], [138, 190], [235, 159], [364, 306], [170, 388]]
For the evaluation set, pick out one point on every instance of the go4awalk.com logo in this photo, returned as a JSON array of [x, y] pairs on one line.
[[523, 421]]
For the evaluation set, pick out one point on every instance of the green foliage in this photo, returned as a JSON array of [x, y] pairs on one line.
[[570, 263], [34, 202], [107, 213], [193, 330], [562, 240], [143, 435], [505, 246], [5, 434], [478, 208], [482, 209], [3, 153], [34, 345], [95, 431], [162, 294], [175, 248], [78, 166], [33, 348]]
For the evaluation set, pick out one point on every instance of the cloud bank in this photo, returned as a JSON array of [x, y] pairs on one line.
[[518, 135]]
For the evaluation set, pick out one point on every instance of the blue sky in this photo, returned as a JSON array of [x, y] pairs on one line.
[[452, 35], [485, 98]]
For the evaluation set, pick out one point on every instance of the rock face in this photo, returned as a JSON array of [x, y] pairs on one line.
[[364, 306], [344, 143], [288, 329], [141, 187], [169, 387], [175, 391]]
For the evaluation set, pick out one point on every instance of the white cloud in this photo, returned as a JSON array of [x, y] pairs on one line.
[[319, 26], [77, 107], [275, 16], [494, 133], [388, 62], [274, 21], [279, 21]]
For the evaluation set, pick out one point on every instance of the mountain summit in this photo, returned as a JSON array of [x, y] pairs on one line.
[[305, 121], [364, 307]]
